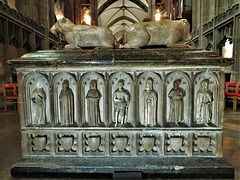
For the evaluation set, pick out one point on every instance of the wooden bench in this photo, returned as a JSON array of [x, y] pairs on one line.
[[235, 94]]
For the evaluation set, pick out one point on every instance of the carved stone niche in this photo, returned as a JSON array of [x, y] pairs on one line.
[[121, 100], [67, 144], [36, 95], [121, 78], [93, 100], [65, 100], [176, 144], [178, 99], [121, 144], [94, 144], [204, 144], [206, 99], [148, 144], [39, 143], [150, 99]]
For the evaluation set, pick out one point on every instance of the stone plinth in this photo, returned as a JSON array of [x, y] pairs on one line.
[[154, 111]]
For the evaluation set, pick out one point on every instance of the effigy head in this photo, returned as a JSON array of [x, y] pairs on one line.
[[61, 26], [186, 35]]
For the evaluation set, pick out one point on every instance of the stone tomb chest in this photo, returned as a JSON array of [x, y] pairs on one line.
[[158, 112]]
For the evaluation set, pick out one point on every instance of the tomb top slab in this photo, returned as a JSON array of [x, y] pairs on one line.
[[163, 56]]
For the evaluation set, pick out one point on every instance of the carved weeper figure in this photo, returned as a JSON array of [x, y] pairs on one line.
[[84, 35], [149, 104], [204, 104], [93, 110], [163, 32], [66, 104], [38, 106], [121, 98], [176, 96]]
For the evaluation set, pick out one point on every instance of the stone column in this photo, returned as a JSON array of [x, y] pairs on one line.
[[236, 55], [152, 9], [94, 12], [44, 20], [6, 51]]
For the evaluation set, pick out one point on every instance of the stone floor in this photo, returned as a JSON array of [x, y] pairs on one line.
[[10, 151]]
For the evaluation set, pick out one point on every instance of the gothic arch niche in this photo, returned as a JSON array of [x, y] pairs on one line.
[[65, 95], [93, 99], [207, 114], [121, 104], [150, 97], [178, 99], [36, 95]]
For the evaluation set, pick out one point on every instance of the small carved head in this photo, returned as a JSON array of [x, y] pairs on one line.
[[65, 84], [120, 84], [93, 84], [149, 84], [204, 84], [176, 83]]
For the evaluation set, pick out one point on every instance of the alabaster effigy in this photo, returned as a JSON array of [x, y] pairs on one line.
[[78, 36], [164, 32], [151, 111]]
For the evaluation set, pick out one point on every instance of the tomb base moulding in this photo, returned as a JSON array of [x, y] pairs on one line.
[[157, 112]]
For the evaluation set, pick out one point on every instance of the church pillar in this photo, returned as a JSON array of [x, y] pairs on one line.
[[152, 9], [6, 70], [236, 55], [94, 12], [44, 20]]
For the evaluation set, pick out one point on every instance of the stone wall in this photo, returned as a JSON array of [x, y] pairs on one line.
[[20, 34], [212, 22]]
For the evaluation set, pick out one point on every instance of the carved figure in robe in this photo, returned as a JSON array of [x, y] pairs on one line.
[[176, 96], [38, 106], [66, 99], [121, 98], [93, 109], [204, 103], [149, 105]]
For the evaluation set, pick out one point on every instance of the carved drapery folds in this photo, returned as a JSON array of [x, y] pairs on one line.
[[206, 91], [178, 95], [150, 91], [36, 96], [66, 102], [65, 99], [92, 88], [150, 99]]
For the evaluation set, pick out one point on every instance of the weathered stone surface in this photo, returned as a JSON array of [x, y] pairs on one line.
[[105, 168], [111, 105], [149, 57]]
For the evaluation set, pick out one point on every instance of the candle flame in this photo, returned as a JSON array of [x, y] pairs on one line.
[[157, 15], [87, 17]]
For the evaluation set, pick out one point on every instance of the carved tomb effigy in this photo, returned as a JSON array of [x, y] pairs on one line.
[[154, 111]]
